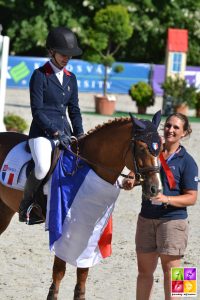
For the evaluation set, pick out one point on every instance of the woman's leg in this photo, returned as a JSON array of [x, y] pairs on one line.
[[147, 263], [147, 257], [41, 150], [168, 262], [172, 236]]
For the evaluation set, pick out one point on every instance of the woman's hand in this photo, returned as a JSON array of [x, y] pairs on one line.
[[160, 198], [128, 183], [189, 197]]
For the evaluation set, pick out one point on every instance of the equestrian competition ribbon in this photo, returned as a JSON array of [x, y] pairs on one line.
[[168, 172], [79, 213]]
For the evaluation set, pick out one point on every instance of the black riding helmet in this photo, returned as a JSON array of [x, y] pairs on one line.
[[63, 41]]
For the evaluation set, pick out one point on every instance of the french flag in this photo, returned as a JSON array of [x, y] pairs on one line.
[[7, 175], [79, 209]]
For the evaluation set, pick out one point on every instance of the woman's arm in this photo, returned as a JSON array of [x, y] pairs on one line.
[[188, 198]]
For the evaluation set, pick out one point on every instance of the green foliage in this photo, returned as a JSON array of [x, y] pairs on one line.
[[114, 22], [27, 23], [110, 31], [142, 94], [30, 21], [118, 68], [178, 89], [15, 123], [151, 20]]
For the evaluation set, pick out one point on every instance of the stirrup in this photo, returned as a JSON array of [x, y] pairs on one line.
[[35, 219]]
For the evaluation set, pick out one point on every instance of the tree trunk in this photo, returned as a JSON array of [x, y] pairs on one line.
[[198, 112], [142, 110]]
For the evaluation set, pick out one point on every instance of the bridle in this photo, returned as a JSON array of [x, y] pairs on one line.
[[141, 173]]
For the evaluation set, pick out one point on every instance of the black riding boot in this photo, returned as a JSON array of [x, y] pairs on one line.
[[30, 189]]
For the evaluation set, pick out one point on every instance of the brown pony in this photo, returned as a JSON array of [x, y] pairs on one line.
[[108, 149]]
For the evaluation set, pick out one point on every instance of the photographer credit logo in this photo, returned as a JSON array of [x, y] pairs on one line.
[[184, 282]]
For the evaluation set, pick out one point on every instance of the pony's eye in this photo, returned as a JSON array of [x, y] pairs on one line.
[[142, 148]]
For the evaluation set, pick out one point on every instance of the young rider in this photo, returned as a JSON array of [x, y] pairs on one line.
[[52, 90]]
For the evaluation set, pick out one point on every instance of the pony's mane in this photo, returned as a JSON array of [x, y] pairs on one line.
[[108, 123]]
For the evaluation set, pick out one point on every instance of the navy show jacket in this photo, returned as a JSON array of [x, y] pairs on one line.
[[49, 101]]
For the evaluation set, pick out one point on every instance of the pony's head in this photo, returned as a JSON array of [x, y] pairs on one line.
[[146, 146]]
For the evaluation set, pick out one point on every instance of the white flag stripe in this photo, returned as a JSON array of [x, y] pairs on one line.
[[85, 222]]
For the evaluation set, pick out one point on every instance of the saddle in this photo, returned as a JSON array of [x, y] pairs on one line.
[[17, 166]]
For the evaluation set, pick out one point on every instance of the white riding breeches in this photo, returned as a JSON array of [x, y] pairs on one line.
[[41, 150]]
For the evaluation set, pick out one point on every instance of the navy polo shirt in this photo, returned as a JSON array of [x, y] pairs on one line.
[[185, 172]]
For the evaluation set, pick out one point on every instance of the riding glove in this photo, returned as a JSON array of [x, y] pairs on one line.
[[64, 140]]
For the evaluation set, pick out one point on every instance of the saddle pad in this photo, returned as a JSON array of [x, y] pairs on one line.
[[13, 171]]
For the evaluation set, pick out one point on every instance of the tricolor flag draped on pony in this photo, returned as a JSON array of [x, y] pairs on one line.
[[79, 209]]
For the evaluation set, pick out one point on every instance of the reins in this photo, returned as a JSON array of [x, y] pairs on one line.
[[139, 172], [78, 156]]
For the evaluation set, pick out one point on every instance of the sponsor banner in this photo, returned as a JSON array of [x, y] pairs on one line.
[[89, 75]]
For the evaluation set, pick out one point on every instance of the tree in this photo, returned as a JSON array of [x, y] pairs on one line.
[[27, 23], [110, 31], [152, 18]]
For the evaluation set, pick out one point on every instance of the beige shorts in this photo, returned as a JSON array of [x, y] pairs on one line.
[[167, 237]]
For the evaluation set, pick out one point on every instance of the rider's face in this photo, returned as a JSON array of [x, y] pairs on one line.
[[61, 60]]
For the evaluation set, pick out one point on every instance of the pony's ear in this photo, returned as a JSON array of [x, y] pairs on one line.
[[156, 118], [138, 123]]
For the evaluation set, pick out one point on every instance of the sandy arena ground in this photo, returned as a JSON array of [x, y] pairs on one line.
[[26, 262]]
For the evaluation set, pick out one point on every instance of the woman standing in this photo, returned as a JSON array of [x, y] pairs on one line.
[[162, 227], [52, 90]]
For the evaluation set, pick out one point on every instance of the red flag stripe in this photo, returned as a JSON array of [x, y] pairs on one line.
[[106, 240], [10, 178]]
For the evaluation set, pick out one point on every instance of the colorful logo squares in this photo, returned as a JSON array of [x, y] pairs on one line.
[[184, 282]]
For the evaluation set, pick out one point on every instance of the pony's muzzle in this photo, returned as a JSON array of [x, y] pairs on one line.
[[154, 190]]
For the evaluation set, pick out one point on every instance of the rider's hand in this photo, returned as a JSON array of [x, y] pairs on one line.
[[64, 140], [80, 136]]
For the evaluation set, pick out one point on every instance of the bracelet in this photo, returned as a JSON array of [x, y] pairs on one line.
[[168, 202]]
